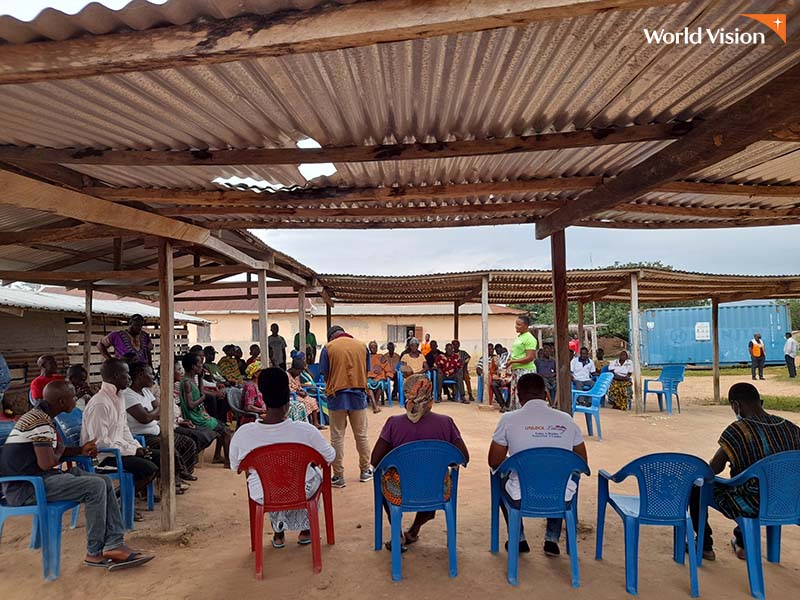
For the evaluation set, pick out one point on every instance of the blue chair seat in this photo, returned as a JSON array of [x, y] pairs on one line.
[[625, 505], [596, 394], [668, 380]]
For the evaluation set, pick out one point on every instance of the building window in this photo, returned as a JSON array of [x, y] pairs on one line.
[[255, 330], [204, 333], [399, 333]]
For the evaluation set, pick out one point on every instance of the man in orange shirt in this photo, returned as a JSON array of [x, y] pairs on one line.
[[758, 356], [425, 346]]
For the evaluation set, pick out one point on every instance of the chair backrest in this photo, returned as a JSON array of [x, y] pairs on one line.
[[779, 486], [69, 427], [314, 370], [282, 471], [672, 373], [543, 476], [5, 430], [665, 483], [235, 399], [602, 384], [422, 467], [604, 369]]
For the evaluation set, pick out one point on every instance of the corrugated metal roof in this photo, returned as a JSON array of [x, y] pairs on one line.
[[48, 301]]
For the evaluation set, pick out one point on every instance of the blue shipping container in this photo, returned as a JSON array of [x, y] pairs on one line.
[[682, 336]]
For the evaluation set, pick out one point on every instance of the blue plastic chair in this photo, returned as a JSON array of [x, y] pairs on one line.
[[597, 393], [47, 516], [382, 384], [779, 494], [401, 394], [314, 370], [151, 492], [69, 427], [669, 378], [543, 477], [422, 467], [665, 484], [434, 376]]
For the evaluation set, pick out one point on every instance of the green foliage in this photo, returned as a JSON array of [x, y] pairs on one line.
[[794, 312]]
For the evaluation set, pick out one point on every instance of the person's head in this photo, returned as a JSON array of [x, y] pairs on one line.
[[274, 328], [390, 348], [522, 323], [196, 349], [373, 347], [623, 356], [545, 352], [427, 337], [757, 335], [135, 324], [116, 372], [584, 353], [531, 386], [192, 364], [58, 397], [177, 371], [273, 383], [449, 350], [77, 375], [308, 325], [410, 333], [209, 353], [413, 345], [601, 354], [141, 375], [334, 332], [788, 335], [434, 345], [255, 350], [744, 399], [490, 349], [499, 350], [298, 366], [237, 351], [418, 390], [47, 364], [456, 345], [252, 370], [228, 349]]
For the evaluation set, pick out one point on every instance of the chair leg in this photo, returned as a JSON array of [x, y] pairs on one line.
[[693, 552], [258, 534], [774, 543], [668, 401], [397, 534], [597, 420], [494, 510], [601, 525], [378, 497], [572, 546], [631, 556], [53, 547], [252, 509], [75, 512], [327, 506], [450, 517], [151, 497], [678, 541], [751, 532], [36, 540], [313, 522], [589, 430], [514, 526], [660, 396]]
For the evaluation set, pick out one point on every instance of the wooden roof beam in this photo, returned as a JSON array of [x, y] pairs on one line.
[[124, 275], [774, 106], [56, 234]]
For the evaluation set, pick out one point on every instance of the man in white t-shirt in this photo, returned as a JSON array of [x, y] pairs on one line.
[[536, 425], [582, 367]]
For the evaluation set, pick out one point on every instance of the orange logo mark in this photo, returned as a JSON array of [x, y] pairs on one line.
[[775, 22]]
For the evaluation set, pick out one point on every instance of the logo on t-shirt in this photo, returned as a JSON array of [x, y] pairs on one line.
[[546, 431]]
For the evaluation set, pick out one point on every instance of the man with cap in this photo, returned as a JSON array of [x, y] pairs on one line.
[[344, 362]]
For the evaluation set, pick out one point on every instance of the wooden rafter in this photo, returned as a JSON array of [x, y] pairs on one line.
[[773, 107], [56, 234]]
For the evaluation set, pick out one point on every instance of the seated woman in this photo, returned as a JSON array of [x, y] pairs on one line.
[[202, 436], [377, 375], [229, 366], [296, 387], [621, 390], [252, 401], [419, 423], [193, 410], [413, 361], [274, 427]]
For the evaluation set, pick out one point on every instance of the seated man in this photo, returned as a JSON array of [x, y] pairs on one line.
[[79, 379], [495, 387], [275, 428], [33, 448], [546, 367], [754, 435], [449, 366], [466, 381], [535, 425], [48, 371], [376, 376], [106, 422], [419, 423], [582, 369], [431, 355], [391, 361]]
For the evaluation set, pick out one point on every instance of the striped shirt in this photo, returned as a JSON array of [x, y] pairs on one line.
[[17, 455]]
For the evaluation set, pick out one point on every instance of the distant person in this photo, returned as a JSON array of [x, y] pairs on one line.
[[255, 355], [5, 383], [467, 382], [758, 356], [600, 360], [523, 353], [391, 362], [621, 390], [277, 348], [432, 354], [310, 349], [79, 379], [546, 367], [574, 343], [790, 353], [425, 346], [131, 340], [48, 371], [229, 366], [413, 361], [448, 366], [582, 369], [754, 435], [495, 383], [238, 354]]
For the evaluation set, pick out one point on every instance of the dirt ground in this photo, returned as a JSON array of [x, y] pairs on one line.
[[701, 389], [213, 560]]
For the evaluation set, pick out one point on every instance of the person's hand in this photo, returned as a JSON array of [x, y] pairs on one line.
[[143, 452], [59, 449], [156, 403], [89, 449]]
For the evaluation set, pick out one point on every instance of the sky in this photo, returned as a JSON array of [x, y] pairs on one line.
[[751, 251]]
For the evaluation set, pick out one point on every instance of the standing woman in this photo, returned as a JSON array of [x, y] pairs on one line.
[[132, 340], [523, 353]]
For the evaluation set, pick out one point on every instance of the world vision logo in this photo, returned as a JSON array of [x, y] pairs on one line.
[[721, 36]]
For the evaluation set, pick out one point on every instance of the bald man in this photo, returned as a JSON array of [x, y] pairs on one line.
[[34, 449], [48, 371]]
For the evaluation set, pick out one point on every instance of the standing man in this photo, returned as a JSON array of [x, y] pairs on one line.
[[789, 353], [344, 363], [758, 356], [425, 346], [277, 348], [310, 345], [465, 358]]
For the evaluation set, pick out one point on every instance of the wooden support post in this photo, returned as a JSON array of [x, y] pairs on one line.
[[87, 332], [328, 318], [594, 329], [487, 393], [196, 265], [636, 344], [301, 319], [167, 411], [539, 337], [117, 253], [558, 252], [455, 320], [715, 346], [262, 318], [581, 316]]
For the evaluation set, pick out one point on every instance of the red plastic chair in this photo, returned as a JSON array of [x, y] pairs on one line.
[[282, 470]]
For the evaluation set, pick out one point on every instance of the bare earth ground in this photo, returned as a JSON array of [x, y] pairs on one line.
[[213, 559]]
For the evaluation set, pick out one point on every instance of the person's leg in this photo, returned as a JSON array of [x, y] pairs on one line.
[[142, 469], [358, 421], [460, 386], [792, 367], [185, 454], [439, 384], [553, 530], [498, 394], [419, 520], [694, 511], [338, 426], [753, 364], [468, 383], [762, 360]]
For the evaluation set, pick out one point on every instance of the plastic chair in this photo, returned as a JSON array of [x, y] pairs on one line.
[[669, 378], [422, 467], [665, 484], [47, 516], [543, 477], [381, 384], [451, 381], [778, 478], [401, 394], [151, 492], [69, 427], [597, 393], [314, 370], [282, 471]]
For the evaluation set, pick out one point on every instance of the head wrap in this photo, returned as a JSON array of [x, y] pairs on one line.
[[419, 397], [252, 369], [299, 362], [413, 341]]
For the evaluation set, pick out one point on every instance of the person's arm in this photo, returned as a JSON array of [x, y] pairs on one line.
[[580, 450], [142, 415], [321, 445], [103, 345], [459, 443], [719, 461], [48, 457], [529, 356], [381, 449], [97, 422], [186, 392], [497, 454], [324, 365]]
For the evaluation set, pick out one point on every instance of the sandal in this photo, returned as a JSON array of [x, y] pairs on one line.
[[388, 546], [138, 517], [278, 545]]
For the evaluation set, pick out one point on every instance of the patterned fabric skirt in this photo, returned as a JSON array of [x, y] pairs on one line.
[[185, 450], [297, 520], [620, 393], [390, 484], [297, 411], [515, 375], [309, 402]]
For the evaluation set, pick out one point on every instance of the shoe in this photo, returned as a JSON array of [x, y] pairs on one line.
[[524, 548], [709, 554], [738, 550], [762, 378], [365, 475], [337, 481], [551, 549]]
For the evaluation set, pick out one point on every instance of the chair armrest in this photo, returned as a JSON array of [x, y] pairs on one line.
[[616, 477], [740, 479], [35, 481], [117, 455], [140, 438]]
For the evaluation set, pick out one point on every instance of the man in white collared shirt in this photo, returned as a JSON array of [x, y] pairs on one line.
[[790, 353], [105, 421], [536, 425]]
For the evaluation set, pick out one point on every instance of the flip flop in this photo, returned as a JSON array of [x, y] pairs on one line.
[[102, 563], [278, 545], [388, 546], [304, 542], [131, 561], [409, 539]]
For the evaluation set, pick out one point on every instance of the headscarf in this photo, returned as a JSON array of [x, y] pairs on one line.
[[252, 369], [298, 363], [419, 397]]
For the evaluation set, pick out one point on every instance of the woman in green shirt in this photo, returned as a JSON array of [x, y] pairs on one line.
[[523, 353], [192, 408]]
